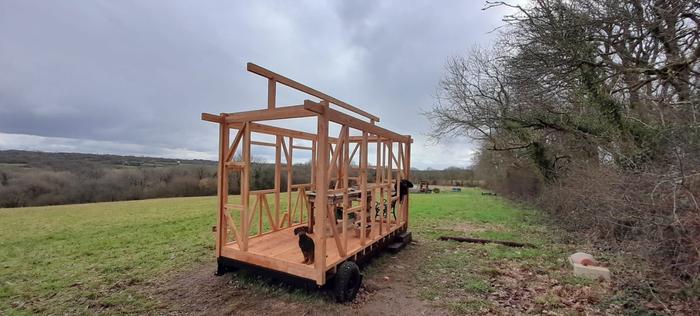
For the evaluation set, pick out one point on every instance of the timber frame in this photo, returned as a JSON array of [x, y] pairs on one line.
[[258, 229]]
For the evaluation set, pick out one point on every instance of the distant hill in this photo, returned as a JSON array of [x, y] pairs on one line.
[[30, 178], [40, 159]]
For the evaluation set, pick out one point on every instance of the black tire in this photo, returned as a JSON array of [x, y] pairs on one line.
[[347, 282]]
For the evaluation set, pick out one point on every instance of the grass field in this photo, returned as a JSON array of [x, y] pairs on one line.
[[96, 257]]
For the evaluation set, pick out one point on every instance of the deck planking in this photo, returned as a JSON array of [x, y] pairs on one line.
[[280, 250]]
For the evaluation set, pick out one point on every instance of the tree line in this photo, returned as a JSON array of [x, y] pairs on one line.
[[36, 178]]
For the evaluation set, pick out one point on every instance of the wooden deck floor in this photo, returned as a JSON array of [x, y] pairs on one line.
[[280, 251]]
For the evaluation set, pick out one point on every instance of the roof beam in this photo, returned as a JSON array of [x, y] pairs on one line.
[[344, 119], [306, 89], [274, 130], [262, 128], [279, 113]]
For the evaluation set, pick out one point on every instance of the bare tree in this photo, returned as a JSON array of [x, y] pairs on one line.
[[601, 93]]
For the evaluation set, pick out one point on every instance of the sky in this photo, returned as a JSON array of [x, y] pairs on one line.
[[133, 77]]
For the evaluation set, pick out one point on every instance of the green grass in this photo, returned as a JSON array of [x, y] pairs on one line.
[[81, 258], [459, 275], [75, 257], [68, 258]]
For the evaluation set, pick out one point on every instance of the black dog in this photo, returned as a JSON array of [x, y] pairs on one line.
[[306, 244], [404, 185], [403, 188]]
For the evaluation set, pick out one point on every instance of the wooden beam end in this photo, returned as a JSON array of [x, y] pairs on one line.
[[258, 70], [315, 107], [212, 118]]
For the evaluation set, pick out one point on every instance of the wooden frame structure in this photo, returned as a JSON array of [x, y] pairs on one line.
[[258, 230]]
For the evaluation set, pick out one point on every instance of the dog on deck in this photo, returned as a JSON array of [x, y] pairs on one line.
[[306, 244], [404, 185]]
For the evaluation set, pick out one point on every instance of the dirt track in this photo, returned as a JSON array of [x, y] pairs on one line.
[[200, 292]]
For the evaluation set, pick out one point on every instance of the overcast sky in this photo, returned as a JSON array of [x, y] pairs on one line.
[[132, 77]]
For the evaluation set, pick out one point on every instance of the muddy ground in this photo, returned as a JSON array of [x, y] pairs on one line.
[[386, 289], [428, 277]]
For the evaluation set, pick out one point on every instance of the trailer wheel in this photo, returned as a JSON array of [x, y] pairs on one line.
[[347, 282]]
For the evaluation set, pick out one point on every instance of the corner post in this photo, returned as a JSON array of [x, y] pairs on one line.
[[378, 180], [407, 172], [321, 204], [223, 185], [344, 170]]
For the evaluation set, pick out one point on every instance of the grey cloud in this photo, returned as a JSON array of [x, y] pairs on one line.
[[139, 73]]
